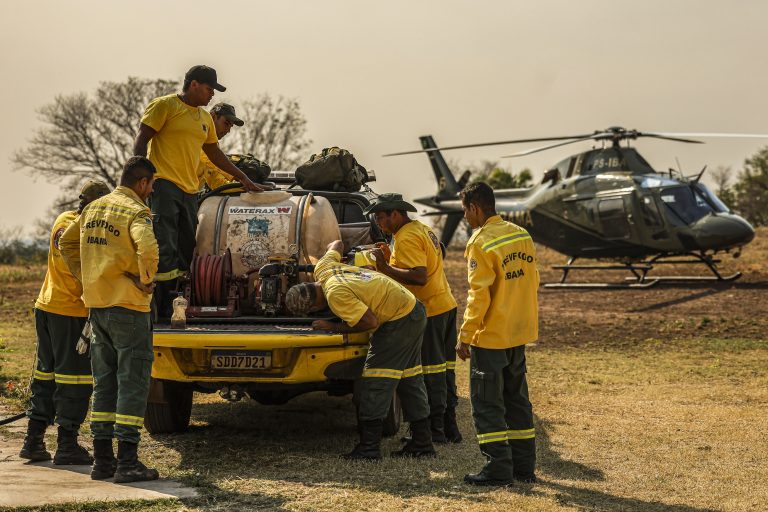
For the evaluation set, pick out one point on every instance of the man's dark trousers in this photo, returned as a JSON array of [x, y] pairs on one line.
[[62, 383], [174, 215], [121, 355], [394, 363], [502, 412]]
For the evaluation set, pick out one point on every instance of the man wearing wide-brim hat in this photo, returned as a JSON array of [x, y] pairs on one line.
[[416, 261], [62, 383]]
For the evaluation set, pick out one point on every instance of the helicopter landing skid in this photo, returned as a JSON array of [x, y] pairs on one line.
[[640, 270]]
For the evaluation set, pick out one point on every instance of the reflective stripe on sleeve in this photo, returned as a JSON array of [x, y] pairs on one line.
[[433, 368], [44, 375], [505, 240], [450, 365], [62, 378], [125, 419], [528, 433], [102, 416]]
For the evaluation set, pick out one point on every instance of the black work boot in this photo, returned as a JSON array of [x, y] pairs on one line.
[[129, 469], [497, 472], [420, 444], [484, 479], [34, 442], [68, 452], [369, 447], [452, 433], [437, 426], [105, 463]]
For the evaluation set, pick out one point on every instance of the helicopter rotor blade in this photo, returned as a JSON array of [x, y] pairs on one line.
[[667, 137], [497, 143], [714, 135], [544, 148]]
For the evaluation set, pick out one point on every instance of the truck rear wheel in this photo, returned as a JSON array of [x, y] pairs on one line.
[[394, 415], [173, 412]]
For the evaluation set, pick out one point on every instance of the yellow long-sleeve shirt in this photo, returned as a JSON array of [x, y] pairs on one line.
[[502, 305], [351, 291], [209, 174], [61, 291], [112, 236], [415, 245]]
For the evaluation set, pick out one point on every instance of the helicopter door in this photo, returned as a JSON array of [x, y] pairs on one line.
[[613, 218]]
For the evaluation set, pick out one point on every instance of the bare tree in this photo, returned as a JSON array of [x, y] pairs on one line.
[[89, 137], [274, 132]]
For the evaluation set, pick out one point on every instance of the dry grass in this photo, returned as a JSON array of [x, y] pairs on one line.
[[625, 421]]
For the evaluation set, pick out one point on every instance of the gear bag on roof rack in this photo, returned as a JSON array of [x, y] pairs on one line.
[[333, 169], [255, 169]]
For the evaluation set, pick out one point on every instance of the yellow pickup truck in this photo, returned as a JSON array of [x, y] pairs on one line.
[[237, 340]]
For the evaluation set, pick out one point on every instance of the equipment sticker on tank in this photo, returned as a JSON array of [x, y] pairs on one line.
[[260, 210]]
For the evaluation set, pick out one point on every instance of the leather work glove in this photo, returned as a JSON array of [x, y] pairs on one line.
[[85, 339]]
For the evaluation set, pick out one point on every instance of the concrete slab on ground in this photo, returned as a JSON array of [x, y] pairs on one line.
[[25, 484]]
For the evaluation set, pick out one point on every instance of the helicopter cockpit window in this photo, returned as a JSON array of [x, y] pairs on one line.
[[690, 206], [713, 199], [656, 182]]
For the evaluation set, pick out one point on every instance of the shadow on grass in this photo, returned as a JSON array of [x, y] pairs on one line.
[[251, 447]]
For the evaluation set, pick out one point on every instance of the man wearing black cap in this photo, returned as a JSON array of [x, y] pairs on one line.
[[173, 130], [62, 382], [416, 261], [224, 119]]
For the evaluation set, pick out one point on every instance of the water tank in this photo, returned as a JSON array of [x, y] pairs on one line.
[[255, 226]]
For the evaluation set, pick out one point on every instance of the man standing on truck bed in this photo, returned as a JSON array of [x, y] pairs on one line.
[[112, 250], [500, 318], [62, 383], [173, 130], [416, 261], [366, 301]]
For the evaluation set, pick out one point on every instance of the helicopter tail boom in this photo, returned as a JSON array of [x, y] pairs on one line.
[[447, 185]]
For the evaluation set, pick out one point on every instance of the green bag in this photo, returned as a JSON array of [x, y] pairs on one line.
[[255, 169], [333, 169]]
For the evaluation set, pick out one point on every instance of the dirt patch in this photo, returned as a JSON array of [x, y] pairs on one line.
[[736, 310]]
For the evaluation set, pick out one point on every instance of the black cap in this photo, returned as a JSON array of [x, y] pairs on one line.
[[204, 75], [228, 111]]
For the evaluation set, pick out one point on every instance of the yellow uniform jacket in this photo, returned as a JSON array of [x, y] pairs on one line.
[[112, 236], [351, 291], [209, 174], [415, 245], [61, 291], [502, 304]]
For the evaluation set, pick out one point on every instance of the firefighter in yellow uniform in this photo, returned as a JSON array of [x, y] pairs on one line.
[[416, 261], [173, 131], [500, 318], [366, 300], [224, 119], [62, 382], [112, 249]]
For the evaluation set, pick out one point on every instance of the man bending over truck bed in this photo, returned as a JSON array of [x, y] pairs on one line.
[[366, 301]]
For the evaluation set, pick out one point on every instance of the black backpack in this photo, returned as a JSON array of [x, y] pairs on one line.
[[256, 170], [333, 169]]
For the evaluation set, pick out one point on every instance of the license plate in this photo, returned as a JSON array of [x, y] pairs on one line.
[[241, 360]]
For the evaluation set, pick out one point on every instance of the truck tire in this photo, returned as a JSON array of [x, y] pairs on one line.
[[172, 414], [394, 416]]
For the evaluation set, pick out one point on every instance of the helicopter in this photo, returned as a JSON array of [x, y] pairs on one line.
[[607, 203]]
